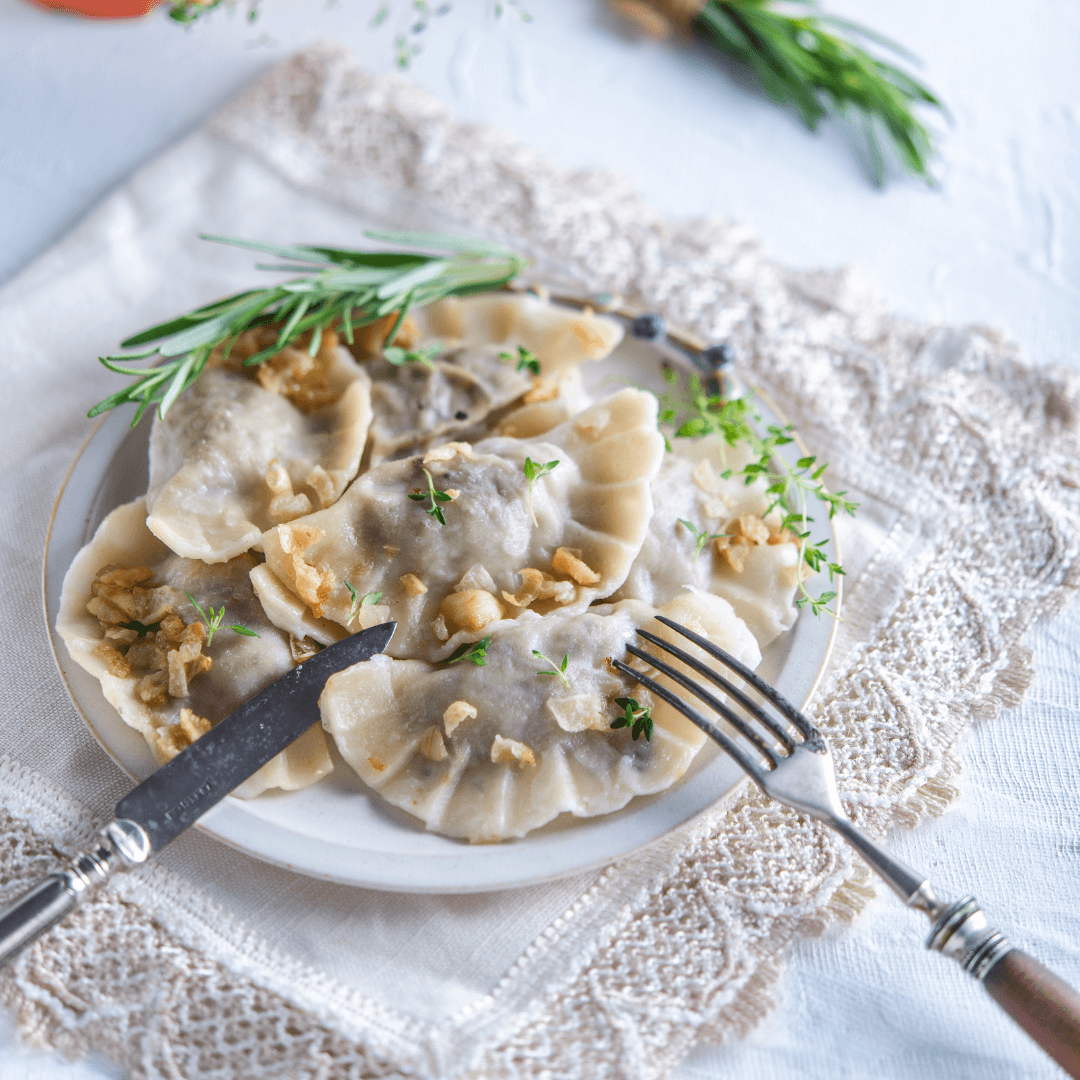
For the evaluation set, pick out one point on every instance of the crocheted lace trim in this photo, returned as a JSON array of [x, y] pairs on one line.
[[965, 461]]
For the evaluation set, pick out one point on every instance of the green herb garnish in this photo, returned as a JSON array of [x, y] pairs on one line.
[[476, 652], [559, 670], [533, 471], [697, 411], [214, 620], [436, 497], [526, 361], [337, 288], [398, 356], [798, 60], [359, 601], [636, 717], [701, 536]]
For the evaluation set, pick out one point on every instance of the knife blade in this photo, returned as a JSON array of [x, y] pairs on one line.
[[183, 789]]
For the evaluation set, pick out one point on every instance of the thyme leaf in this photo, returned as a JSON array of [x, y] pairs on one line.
[[533, 471], [697, 409], [701, 536], [558, 670], [636, 717], [526, 360], [398, 356], [359, 601], [436, 497], [475, 652], [214, 620]]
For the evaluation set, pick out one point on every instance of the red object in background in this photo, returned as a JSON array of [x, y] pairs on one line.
[[100, 9]]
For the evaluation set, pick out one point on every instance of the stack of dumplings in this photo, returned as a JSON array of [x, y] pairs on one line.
[[516, 530]]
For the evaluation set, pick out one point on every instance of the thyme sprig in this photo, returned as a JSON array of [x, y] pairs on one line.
[[359, 601], [398, 356], [533, 471], [698, 410], [558, 670], [436, 497], [801, 60], [475, 652], [337, 289], [526, 360], [635, 716], [701, 536], [214, 619]]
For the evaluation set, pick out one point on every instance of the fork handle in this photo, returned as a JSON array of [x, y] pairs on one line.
[[1046, 1007]]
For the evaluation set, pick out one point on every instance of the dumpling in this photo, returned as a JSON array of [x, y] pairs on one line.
[[442, 583], [125, 618], [487, 753], [239, 452], [754, 564], [560, 337], [416, 406]]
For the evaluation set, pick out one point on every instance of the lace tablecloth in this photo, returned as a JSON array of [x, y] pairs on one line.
[[208, 964]]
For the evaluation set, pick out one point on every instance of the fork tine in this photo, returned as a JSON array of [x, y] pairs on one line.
[[732, 749], [803, 726], [729, 688], [712, 701]]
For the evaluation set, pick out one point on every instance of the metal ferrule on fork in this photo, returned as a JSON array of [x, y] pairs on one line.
[[962, 932]]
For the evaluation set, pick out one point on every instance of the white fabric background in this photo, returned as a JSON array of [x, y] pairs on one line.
[[994, 245]]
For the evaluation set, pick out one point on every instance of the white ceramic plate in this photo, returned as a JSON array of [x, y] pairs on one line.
[[338, 829]]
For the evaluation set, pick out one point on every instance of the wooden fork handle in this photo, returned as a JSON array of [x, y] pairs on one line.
[[1046, 1007]]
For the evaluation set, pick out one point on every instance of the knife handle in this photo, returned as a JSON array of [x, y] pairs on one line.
[[119, 845]]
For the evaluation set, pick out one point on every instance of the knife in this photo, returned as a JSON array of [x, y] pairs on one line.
[[182, 790]]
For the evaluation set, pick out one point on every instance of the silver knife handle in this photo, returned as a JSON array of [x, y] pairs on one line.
[[119, 845]]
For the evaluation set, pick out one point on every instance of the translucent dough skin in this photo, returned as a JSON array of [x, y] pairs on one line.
[[597, 500], [559, 337], [379, 712], [242, 666], [208, 498], [763, 593]]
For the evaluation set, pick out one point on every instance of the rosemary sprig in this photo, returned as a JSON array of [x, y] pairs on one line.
[[336, 288], [701, 536], [476, 652], [436, 497], [359, 601], [558, 670], [214, 620], [697, 411], [799, 60], [636, 717], [533, 471]]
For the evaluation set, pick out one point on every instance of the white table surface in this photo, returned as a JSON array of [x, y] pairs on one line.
[[998, 242]]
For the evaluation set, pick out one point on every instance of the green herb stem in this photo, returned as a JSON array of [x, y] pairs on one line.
[[337, 287]]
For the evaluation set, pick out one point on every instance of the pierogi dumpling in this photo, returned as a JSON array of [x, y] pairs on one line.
[[125, 618], [465, 394], [233, 458], [560, 337], [487, 753], [445, 583], [753, 565]]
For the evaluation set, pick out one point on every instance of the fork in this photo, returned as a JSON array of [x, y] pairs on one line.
[[789, 759]]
